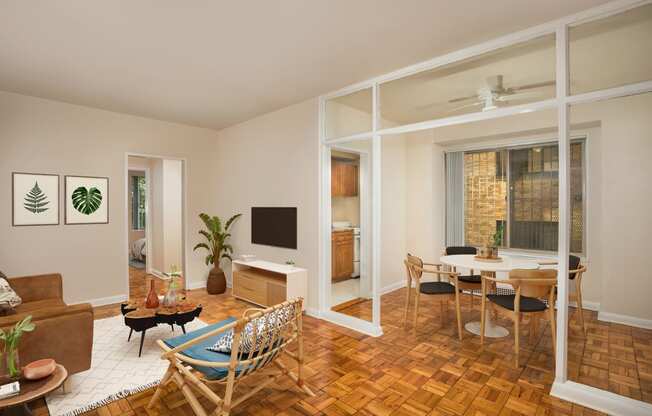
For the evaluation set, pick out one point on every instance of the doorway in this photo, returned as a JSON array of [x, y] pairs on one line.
[[155, 223]]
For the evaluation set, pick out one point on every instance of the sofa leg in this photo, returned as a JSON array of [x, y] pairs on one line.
[[67, 386]]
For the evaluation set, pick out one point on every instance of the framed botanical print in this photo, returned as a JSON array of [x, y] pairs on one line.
[[35, 199], [87, 200]]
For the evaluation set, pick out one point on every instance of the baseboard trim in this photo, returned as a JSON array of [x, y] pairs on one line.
[[109, 300], [313, 312], [352, 323], [601, 400], [392, 287], [588, 305], [624, 319], [196, 285]]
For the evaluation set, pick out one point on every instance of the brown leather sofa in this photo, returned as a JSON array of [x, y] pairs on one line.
[[62, 332]]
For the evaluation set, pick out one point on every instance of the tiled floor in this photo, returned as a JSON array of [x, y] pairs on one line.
[[423, 372]]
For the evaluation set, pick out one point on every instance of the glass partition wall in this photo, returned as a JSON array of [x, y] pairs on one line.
[[539, 127]]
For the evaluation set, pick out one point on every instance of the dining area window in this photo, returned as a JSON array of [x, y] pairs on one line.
[[511, 196]]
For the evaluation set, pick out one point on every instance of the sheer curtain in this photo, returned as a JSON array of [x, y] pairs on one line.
[[455, 199]]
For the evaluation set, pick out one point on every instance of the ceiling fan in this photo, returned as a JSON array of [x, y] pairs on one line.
[[494, 93]]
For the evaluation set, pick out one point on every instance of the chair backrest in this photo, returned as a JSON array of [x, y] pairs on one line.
[[260, 335], [410, 262], [534, 283], [454, 250], [573, 264]]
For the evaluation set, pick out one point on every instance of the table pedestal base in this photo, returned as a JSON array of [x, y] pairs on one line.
[[490, 330]]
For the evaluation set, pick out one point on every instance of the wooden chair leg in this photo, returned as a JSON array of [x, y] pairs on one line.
[[553, 329], [442, 312], [459, 314], [416, 307], [516, 338], [159, 389], [580, 309], [407, 300]]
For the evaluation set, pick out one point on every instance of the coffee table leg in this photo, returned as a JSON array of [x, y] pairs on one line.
[[20, 410], [142, 339], [183, 328], [131, 331]]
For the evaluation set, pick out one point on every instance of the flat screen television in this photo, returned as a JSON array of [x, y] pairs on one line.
[[274, 226]]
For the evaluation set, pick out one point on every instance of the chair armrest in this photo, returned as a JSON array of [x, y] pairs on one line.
[[40, 287], [433, 264]]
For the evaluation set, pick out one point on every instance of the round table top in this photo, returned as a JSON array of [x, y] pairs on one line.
[[32, 390], [468, 261], [140, 311]]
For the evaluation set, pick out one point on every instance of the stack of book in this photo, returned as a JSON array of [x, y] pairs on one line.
[[9, 390]]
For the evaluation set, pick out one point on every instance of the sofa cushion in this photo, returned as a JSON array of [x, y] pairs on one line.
[[39, 305], [9, 299]]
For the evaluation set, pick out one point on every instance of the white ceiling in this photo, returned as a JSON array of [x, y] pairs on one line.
[[216, 63]]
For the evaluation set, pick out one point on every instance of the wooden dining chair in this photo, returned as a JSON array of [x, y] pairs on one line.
[[446, 290], [575, 273], [470, 282], [530, 287]]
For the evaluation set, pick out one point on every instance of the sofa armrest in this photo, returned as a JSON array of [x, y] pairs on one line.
[[64, 333], [40, 287], [47, 313]]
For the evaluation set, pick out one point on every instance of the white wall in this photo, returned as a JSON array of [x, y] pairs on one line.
[[272, 160], [45, 136], [172, 214]]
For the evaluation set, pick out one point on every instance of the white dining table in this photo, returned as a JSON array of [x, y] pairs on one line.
[[487, 268]]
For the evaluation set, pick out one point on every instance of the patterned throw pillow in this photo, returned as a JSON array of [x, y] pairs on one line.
[[265, 326], [8, 298]]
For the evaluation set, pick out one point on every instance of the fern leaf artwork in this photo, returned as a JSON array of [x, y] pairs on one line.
[[36, 200], [86, 201]]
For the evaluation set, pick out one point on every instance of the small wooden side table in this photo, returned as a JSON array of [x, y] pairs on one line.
[[32, 390]]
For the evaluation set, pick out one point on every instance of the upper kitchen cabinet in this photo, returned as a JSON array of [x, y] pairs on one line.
[[344, 178]]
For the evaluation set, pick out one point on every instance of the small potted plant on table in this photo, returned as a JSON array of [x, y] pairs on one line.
[[10, 363], [490, 251]]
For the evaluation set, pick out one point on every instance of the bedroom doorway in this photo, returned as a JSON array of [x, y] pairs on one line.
[[155, 223]]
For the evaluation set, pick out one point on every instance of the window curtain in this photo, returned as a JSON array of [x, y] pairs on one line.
[[455, 199]]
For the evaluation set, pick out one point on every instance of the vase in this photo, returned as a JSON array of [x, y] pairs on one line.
[[10, 364], [151, 302], [216, 283], [170, 299]]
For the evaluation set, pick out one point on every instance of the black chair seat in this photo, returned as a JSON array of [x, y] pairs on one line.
[[471, 279], [527, 304], [437, 288]]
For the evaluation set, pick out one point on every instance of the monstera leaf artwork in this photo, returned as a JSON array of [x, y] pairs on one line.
[[85, 200]]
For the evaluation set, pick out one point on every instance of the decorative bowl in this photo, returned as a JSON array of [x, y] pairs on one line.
[[39, 369]]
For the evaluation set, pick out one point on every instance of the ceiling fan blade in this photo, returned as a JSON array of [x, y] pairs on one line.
[[533, 85], [518, 96], [457, 100], [477, 103]]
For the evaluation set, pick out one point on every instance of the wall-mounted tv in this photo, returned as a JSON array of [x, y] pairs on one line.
[[274, 226]]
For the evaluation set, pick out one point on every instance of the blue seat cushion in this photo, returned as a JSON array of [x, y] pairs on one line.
[[199, 351], [527, 304]]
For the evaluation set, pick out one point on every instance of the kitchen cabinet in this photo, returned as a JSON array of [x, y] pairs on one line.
[[344, 178], [341, 255]]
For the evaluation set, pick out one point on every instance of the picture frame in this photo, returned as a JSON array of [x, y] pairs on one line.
[[34, 199], [86, 199]]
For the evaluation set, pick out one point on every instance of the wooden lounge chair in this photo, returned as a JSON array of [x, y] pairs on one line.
[[194, 369]]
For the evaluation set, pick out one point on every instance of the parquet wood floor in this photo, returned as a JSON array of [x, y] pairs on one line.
[[139, 281], [422, 372]]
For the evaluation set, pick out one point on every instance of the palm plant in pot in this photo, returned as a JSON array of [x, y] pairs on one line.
[[216, 244]]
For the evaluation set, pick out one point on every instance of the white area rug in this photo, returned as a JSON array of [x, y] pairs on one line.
[[116, 371]]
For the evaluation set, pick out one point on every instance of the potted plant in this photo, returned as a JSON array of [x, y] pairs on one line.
[[490, 251], [11, 339], [218, 249]]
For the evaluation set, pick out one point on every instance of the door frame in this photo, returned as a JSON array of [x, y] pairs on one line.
[[148, 218]]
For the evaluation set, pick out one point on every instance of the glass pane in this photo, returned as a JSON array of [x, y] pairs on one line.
[[611, 52], [609, 341], [351, 292], [485, 196], [349, 114], [518, 74]]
